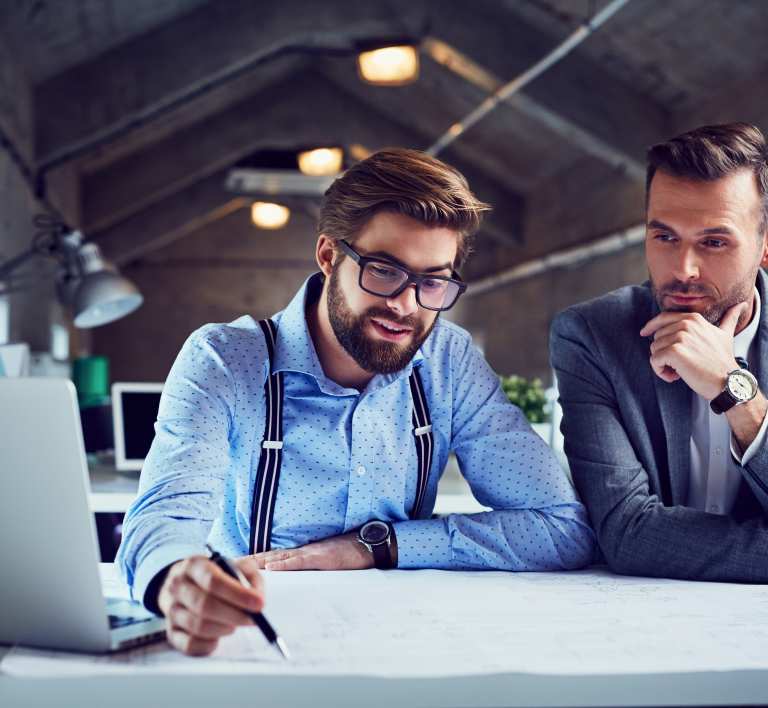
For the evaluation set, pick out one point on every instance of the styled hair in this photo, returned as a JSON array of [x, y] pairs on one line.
[[712, 152], [407, 182]]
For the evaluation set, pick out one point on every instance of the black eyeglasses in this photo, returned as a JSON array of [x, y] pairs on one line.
[[387, 279]]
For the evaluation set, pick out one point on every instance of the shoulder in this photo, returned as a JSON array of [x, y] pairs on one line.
[[447, 339], [238, 342], [623, 310]]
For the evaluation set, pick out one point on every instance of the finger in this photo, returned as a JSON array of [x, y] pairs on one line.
[[214, 581], [197, 626], [659, 344], [192, 646], [730, 319], [210, 607], [663, 320], [249, 567]]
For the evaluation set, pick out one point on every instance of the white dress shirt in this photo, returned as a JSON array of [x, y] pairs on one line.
[[716, 460]]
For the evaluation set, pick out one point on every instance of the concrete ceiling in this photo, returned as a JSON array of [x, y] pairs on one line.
[[131, 111]]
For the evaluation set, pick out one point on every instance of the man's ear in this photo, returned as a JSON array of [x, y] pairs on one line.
[[325, 254], [764, 250]]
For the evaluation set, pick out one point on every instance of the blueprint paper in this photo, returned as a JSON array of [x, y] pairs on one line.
[[418, 624]]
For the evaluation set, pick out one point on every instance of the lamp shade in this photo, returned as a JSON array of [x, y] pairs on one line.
[[102, 297]]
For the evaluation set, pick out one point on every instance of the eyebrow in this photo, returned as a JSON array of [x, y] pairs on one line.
[[390, 257], [713, 231]]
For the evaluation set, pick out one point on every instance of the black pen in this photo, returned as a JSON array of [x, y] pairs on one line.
[[261, 621]]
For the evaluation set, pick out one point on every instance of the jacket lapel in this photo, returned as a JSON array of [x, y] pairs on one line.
[[675, 406]]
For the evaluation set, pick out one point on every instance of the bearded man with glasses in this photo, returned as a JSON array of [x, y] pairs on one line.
[[316, 439]]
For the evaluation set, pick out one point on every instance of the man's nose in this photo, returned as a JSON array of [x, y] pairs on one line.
[[686, 265], [405, 303]]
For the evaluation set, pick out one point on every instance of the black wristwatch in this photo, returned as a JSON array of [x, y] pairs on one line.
[[740, 386], [378, 537]]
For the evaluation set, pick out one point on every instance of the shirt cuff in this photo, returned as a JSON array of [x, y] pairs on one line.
[[754, 446], [425, 543], [156, 561]]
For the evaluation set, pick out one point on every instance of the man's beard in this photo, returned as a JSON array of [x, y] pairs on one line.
[[378, 357], [714, 311]]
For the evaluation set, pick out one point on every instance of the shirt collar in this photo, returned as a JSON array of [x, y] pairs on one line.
[[743, 340], [295, 350]]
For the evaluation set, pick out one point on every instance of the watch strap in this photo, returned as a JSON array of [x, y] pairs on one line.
[[722, 403], [382, 558]]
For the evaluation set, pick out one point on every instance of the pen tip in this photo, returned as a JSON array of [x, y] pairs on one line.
[[282, 648]]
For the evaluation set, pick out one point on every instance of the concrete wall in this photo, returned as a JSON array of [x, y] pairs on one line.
[[580, 204], [217, 274], [33, 310]]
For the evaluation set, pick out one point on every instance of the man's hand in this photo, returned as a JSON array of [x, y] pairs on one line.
[[201, 603], [337, 553], [686, 346]]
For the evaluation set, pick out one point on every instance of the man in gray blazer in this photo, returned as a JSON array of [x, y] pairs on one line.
[[662, 384]]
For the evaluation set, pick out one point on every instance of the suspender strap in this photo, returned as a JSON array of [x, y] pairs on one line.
[[268, 474], [424, 439]]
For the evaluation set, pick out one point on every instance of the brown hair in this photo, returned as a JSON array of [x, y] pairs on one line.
[[406, 182], [712, 152]]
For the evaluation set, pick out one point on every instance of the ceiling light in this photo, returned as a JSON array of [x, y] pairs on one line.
[[389, 66], [322, 161], [267, 215]]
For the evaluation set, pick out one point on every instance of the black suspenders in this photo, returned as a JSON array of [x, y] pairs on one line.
[[268, 473]]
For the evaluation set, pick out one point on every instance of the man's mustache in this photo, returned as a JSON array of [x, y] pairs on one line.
[[680, 288]]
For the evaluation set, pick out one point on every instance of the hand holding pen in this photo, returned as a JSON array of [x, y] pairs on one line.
[[202, 602], [259, 619]]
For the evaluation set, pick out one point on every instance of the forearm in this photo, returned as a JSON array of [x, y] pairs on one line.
[[646, 538], [557, 537]]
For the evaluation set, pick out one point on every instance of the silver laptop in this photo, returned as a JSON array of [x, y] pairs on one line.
[[50, 586]]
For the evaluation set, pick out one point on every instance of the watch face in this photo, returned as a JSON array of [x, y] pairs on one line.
[[374, 532], [741, 385]]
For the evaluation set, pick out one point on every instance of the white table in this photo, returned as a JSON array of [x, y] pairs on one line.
[[646, 622]]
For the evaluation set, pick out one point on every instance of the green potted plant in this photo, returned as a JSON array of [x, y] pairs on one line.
[[529, 396]]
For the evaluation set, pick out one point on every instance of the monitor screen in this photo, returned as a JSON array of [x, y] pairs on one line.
[[134, 409]]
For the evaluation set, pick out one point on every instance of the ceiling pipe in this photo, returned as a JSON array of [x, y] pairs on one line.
[[566, 258], [519, 82]]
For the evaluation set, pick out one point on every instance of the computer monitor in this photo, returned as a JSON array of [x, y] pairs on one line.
[[134, 412]]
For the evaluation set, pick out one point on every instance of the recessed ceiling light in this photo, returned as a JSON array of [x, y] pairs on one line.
[[267, 215], [321, 162], [389, 66]]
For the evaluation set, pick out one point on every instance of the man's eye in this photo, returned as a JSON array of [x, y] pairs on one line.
[[433, 284], [714, 243], [382, 271], [664, 238]]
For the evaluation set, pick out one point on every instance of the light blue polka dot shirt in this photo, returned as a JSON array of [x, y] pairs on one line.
[[348, 457]]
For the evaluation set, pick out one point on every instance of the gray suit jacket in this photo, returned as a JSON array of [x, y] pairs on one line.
[[627, 438]]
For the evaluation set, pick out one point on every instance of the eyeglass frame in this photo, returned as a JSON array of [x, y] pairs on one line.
[[413, 277]]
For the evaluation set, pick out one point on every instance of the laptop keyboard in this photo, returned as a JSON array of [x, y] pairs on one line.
[[124, 612]]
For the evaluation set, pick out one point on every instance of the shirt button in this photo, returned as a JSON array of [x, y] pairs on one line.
[[360, 471], [714, 509], [718, 450]]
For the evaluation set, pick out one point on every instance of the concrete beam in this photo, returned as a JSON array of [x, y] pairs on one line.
[[575, 98], [159, 225], [185, 58], [272, 119]]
